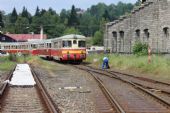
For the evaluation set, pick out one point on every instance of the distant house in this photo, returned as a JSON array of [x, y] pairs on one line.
[[5, 38], [25, 37]]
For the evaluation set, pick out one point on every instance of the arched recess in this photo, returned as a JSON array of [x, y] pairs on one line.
[[166, 32], [122, 44], [114, 43], [137, 35], [146, 35], [165, 39]]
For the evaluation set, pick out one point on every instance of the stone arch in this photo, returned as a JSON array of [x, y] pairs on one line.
[[166, 32], [137, 34], [143, 1], [114, 41], [121, 39], [165, 38], [146, 35]]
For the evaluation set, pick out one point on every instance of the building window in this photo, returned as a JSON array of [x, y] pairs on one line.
[[3, 38]]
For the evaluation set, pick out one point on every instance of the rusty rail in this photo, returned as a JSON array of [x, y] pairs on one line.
[[50, 104], [9, 76], [106, 92], [109, 96], [130, 75], [156, 97]]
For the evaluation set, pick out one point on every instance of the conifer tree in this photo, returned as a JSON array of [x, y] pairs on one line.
[[14, 16], [1, 20], [73, 20], [37, 13]]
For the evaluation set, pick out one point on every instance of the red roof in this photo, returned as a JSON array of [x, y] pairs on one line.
[[25, 37]]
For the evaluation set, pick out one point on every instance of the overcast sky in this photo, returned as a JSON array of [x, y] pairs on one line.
[[8, 5]]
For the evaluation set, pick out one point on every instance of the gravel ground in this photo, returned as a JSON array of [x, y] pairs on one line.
[[59, 82]]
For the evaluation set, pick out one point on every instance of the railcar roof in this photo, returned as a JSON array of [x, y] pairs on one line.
[[71, 36], [14, 43]]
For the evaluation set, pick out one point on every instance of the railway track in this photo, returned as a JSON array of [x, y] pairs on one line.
[[132, 97], [26, 99], [159, 88], [113, 103]]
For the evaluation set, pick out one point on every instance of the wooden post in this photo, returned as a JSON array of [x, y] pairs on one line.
[[149, 55]]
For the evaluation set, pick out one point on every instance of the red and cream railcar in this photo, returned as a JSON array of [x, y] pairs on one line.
[[69, 48]]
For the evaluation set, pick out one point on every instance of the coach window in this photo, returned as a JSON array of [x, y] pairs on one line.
[[74, 41], [48, 45], [166, 32], [55, 44], [82, 43], [67, 43]]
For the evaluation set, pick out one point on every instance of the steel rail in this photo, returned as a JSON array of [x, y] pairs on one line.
[[109, 96], [50, 104], [130, 75], [164, 102], [9, 76]]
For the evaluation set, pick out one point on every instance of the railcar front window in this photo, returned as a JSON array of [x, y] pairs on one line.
[[74, 41], [82, 44], [67, 44]]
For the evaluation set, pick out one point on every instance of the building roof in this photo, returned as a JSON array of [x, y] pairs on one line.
[[25, 37]]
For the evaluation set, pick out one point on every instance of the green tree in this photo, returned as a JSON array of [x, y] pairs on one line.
[[1, 21], [50, 23], [14, 16], [37, 12], [98, 10], [106, 15], [51, 11], [71, 30], [73, 20], [98, 38], [26, 14], [64, 16], [138, 3], [21, 25]]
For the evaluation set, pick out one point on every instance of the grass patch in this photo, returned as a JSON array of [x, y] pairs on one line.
[[6, 64], [159, 65], [35, 60]]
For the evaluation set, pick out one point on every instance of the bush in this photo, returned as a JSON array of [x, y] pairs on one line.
[[140, 49], [12, 57]]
